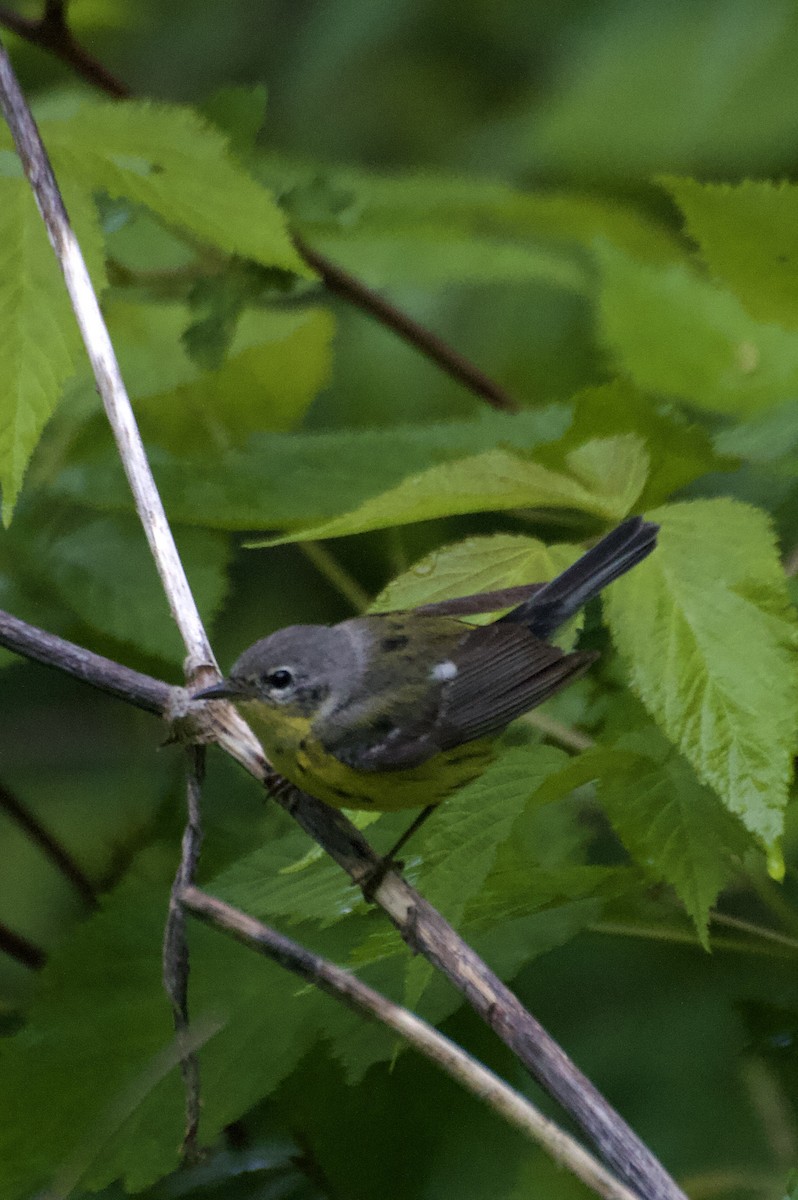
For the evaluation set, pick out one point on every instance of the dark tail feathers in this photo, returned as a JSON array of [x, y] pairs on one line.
[[558, 600]]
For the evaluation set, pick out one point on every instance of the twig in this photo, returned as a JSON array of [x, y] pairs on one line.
[[772, 1105], [106, 370], [175, 952], [356, 293], [565, 735], [760, 931], [424, 929], [328, 566], [429, 934], [16, 946], [52, 33], [53, 849], [474, 1077], [421, 926], [51, 651], [684, 937]]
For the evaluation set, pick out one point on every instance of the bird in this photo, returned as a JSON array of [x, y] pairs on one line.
[[397, 710]]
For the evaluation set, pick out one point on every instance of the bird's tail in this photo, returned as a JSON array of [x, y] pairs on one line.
[[558, 600]]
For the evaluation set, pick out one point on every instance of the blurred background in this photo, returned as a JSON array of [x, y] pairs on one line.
[[595, 99]]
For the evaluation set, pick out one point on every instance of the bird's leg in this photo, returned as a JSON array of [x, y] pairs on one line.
[[389, 861]]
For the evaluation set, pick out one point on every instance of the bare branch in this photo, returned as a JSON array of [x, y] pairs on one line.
[[21, 948], [474, 1077], [175, 952], [106, 369], [51, 651], [52, 33], [52, 848], [429, 934], [421, 926], [355, 292]]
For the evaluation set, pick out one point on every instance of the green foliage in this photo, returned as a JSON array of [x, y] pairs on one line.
[[746, 235], [676, 334], [226, 489], [591, 207], [34, 311], [730, 706], [606, 477], [474, 565], [170, 161], [673, 827]]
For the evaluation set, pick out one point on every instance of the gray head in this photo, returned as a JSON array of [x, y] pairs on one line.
[[296, 668]]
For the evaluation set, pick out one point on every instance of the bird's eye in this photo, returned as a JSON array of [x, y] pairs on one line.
[[280, 679]]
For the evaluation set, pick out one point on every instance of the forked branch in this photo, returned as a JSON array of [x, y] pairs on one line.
[[421, 926]]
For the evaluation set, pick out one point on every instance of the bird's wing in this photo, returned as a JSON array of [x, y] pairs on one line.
[[502, 672], [490, 676], [387, 720], [385, 735]]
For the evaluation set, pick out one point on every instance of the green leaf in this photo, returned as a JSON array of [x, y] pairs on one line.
[[266, 884], [606, 476], [239, 113], [480, 564], [169, 160], [513, 891], [147, 340], [709, 637], [284, 479], [40, 344], [87, 1070], [465, 834], [428, 257], [764, 439], [266, 383], [676, 334], [358, 216], [680, 451], [675, 828], [102, 568], [748, 237]]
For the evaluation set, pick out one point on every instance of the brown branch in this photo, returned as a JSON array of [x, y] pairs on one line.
[[429, 934], [348, 989], [52, 848], [51, 32], [21, 948], [349, 288], [422, 927], [140, 690], [175, 952]]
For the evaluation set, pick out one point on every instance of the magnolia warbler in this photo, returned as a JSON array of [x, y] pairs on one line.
[[397, 710]]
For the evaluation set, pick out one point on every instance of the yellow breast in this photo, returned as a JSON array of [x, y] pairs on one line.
[[292, 750]]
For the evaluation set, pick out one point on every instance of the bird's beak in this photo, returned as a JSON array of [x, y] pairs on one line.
[[223, 690]]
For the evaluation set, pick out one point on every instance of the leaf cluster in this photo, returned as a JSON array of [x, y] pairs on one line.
[[644, 820]]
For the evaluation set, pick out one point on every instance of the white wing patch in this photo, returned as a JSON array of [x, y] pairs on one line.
[[444, 671]]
